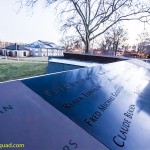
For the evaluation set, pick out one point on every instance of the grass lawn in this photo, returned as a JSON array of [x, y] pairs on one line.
[[10, 70]]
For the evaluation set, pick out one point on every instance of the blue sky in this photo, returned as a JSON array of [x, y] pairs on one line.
[[27, 27]]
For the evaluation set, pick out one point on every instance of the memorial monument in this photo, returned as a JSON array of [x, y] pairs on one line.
[[101, 107]]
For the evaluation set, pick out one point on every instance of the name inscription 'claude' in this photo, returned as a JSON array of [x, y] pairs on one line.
[[119, 139]]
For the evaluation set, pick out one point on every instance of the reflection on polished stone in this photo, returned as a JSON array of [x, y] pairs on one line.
[[27, 119], [110, 102]]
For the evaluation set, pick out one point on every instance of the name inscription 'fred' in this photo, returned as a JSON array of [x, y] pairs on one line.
[[119, 139], [102, 108]]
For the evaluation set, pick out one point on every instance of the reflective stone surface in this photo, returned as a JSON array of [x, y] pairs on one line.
[[111, 102], [25, 118]]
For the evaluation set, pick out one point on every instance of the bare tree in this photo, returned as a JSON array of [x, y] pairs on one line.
[[71, 42], [142, 41], [114, 37], [92, 18]]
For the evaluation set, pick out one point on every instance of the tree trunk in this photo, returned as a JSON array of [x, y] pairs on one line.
[[115, 47], [87, 43]]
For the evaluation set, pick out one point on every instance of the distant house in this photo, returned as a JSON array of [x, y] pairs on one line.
[[129, 47], [44, 48], [119, 53], [3, 45], [127, 53], [16, 50]]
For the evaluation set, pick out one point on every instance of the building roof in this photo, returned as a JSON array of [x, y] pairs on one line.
[[16, 47], [43, 44]]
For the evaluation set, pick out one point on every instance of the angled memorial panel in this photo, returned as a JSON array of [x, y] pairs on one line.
[[25, 118], [111, 102]]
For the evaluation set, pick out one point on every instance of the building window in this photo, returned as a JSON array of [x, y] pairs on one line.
[[24, 54]]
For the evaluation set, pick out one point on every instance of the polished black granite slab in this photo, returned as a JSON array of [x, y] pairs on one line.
[[25, 118], [111, 102], [93, 58], [108, 107]]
